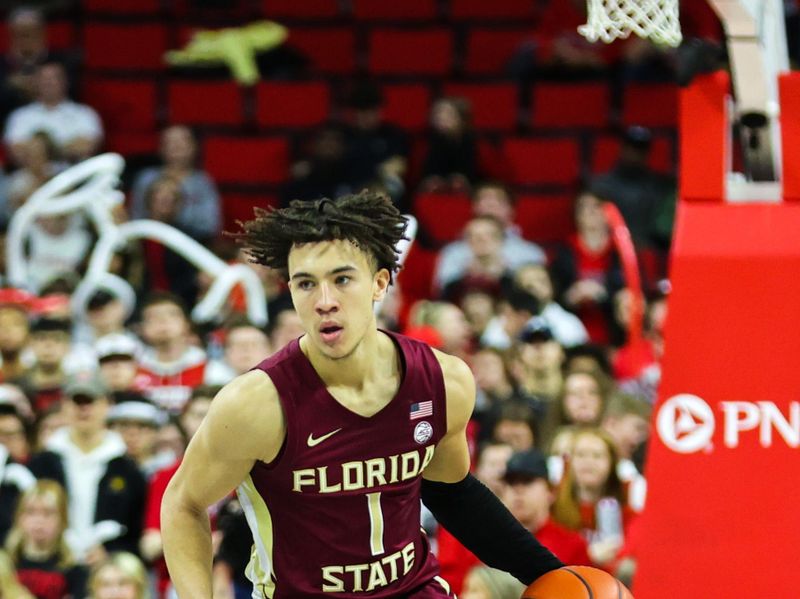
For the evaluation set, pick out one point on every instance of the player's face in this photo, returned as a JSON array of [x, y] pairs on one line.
[[333, 288]]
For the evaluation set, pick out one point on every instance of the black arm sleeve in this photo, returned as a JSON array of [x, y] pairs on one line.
[[477, 518]]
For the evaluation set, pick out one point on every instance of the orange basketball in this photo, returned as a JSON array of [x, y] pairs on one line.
[[577, 582]]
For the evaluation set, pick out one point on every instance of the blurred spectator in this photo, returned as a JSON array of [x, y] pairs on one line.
[[75, 128], [478, 308], [27, 50], [516, 310], [48, 422], [516, 426], [37, 544], [496, 389], [583, 400], [166, 269], [491, 464], [39, 164], [117, 357], [105, 316], [627, 421], [50, 343], [645, 198], [637, 365], [567, 328], [488, 268], [591, 476], [537, 362], [586, 268], [105, 488], [137, 422], [529, 497], [488, 199], [452, 159], [589, 356], [284, 327], [121, 575], [9, 584], [170, 367], [199, 213], [14, 433], [449, 323], [57, 245], [14, 334], [15, 478], [152, 549], [246, 346], [322, 174], [374, 149], [483, 582]]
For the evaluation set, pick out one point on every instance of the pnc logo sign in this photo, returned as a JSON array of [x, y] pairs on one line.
[[686, 423]]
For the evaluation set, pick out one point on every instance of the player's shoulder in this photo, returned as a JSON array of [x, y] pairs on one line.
[[247, 412], [458, 382], [453, 368]]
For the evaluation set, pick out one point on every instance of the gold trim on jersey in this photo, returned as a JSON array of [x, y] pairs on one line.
[[260, 568]]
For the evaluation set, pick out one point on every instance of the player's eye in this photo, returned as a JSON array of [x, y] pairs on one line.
[[305, 285], [342, 280]]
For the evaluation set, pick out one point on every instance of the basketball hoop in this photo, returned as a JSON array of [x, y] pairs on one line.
[[612, 19]]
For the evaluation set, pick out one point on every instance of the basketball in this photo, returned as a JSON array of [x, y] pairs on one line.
[[577, 582]]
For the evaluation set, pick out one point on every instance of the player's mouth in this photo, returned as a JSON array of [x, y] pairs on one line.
[[330, 333]]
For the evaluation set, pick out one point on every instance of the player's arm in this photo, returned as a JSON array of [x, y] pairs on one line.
[[457, 499], [245, 424]]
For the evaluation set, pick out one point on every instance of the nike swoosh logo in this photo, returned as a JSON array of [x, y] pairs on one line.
[[312, 441]]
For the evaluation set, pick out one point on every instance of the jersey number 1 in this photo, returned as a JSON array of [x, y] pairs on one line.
[[375, 523]]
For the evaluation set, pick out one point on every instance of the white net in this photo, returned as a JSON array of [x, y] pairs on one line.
[[612, 19]]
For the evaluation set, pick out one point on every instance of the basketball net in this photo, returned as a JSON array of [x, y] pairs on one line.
[[612, 19]]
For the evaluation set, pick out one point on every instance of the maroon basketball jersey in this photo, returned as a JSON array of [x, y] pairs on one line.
[[337, 513]]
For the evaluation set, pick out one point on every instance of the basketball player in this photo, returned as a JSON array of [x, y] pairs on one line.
[[332, 441]]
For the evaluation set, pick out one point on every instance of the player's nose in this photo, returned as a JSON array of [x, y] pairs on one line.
[[326, 300]]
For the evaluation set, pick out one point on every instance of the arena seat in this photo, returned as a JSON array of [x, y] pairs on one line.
[[407, 105], [247, 160], [650, 105], [304, 9], [292, 104], [494, 106], [239, 207], [421, 52], [124, 47], [570, 105], [605, 151], [330, 50], [122, 7], [495, 10], [442, 215], [535, 161], [123, 104], [489, 51], [205, 102], [407, 10], [415, 279], [544, 218]]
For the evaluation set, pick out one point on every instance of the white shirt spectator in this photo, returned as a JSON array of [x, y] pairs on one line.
[[63, 122]]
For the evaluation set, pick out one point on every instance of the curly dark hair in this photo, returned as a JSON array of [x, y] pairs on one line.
[[368, 219]]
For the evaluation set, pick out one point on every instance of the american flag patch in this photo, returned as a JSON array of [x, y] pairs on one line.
[[421, 410]]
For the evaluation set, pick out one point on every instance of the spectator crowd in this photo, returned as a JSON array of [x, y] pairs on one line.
[[96, 410]]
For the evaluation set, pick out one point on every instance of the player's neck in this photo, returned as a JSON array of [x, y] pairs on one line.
[[355, 369]]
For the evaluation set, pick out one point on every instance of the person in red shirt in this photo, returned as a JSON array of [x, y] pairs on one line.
[[170, 367], [529, 496], [526, 492]]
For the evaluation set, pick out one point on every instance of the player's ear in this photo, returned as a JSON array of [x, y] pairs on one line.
[[380, 284]]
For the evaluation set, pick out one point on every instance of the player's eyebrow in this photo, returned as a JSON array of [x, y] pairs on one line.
[[335, 271]]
